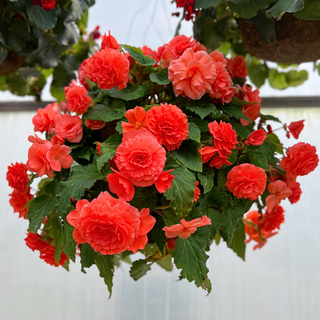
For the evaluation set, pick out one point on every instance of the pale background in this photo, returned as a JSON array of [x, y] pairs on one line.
[[280, 281]]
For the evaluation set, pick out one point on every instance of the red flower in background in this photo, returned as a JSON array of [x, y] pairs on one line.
[[108, 41], [19, 200], [78, 99], [45, 4], [47, 254], [246, 181], [237, 67], [295, 128], [17, 176], [168, 124], [94, 124], [35, 241]]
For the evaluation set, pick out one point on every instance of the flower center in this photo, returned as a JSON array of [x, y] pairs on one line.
[[57, 156], [140, 158], [278, 194], [192, 71]]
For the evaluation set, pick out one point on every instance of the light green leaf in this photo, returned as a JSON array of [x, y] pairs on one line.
[[277, 79], [138, 55], [295, 78], [105, 265], [311, 10], [129, 93], [139, 269]]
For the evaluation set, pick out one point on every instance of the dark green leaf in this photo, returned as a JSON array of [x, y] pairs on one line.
[[105, 265], [88, 256], [145, 198], [206, 179], [242, 131], [108, 150], [249, 9], [139, 269], [202, 109], [275, 140], [265, 27], [235, 111], [41, 18], [67, 33], [106, 112], [204, 4], [158, 234], [138, 55], [130, 93], [201, 124], [69, 244], [189, 155], [78, 7], [161, 77], [282, 6], [3, 53], [269, 117], [170, 217], [257, 156], [194, 132], [238, 242], [311, 10]]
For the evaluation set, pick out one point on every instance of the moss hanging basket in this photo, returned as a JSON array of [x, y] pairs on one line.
[[11, 63], [297, 40]]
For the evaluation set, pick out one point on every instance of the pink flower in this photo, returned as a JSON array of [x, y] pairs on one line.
[[279, 191], [44, 120], [164, 181], [37, 159], [185, 229], [58, 156], [78, 99], [69, 127], [120, 185], [218, 57]]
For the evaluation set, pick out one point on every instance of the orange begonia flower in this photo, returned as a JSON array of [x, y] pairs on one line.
[[138, 119], [279, 191]]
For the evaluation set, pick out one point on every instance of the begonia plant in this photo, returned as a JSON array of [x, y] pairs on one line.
[[158, 152]]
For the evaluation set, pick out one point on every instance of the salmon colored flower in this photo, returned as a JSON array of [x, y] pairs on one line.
[[164, 181], [138, 119], [110, 225], [35, 241], [196, 192], [81, 75], [44, 119], [168, 124], [246, 181], [272, 220], [218, 57], [224, 137], [36, 139], [296, 190], [58, 156], [140, 158], [221, 86], [94, 124], [57, 140], [18, 201], [295, 128], [108, 68], [256, 138], [237, 67], [47, 254], [184, 229], [301, 159], [279, 191], [37, 159], [69, 127], [192, 74], [17, 176], [120, 185], [78, 99], [108, 41]]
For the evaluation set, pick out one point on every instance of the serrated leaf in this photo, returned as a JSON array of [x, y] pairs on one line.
[[206, 179], [88, 256], [238, 242], [145, 198], [202, 109], [129, 93], [249, 9], [235, 111], [201, 124], [138, 55], [161, 78], [242, 131], [105, 265], [42, 206], [158, 234], [194, 132], [282, 6], [58, 236], [139, 269], [189, 155], [41, 18], [170, 217], [81, 178], [69, 244], [181, 192], [257, 156], [106, 112]]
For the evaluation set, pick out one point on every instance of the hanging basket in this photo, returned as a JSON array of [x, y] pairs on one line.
[[11, 63], [297, 41]]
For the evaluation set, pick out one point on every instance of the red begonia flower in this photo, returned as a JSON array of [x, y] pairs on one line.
[[120, 185], [164, 181], [138, 119]]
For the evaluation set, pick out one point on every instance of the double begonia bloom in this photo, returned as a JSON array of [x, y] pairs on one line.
[[45, 4], [108, 68], [237, 67], [301, 159], [58, 156], [246, 181], [69, 127], [256, 138], [35, 241], [17, 176], [37, 159], [224, 137], [296, 190], [169, 125], [279, 191], [18, 201], [140, 158], [218, 57], [164, 181], [81, 76], [94, 124], [192, 74], [43, 121], [212, 153], [272, 220], [108, 41], [120, 185], [110, 225], [185, 229], [47, 254], [138, 119], [78, 99], [295, 128]]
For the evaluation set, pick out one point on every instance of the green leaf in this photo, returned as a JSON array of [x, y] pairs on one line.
[[129, 93], [42, 205], [235, 111], [295, 78], [3, 53], [269, 117], [145, 198], [105, 265], [67, 33], [170, 217], [242, 131], [204, 4], [138, 55], [275, 140], [282, 6], [166, 262], [311, 10], [201, 124], [265, 27], [249, 9], [277, 79], [206, 179], [158, 234], [202, 109], [189, 255], [81, 178], [181, 192], [69, 244], [189, 155], [88, 256], [258, 72], [78, 7], [41, 18], [106, 112], [257, 156], [161, 77], [194, 132], [139, 269], [238, 242]]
